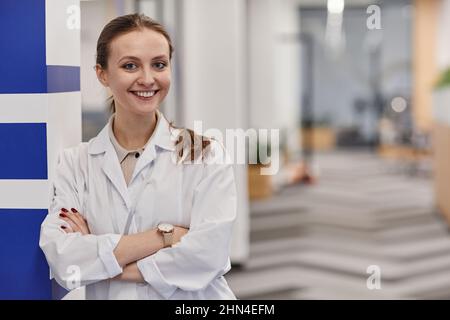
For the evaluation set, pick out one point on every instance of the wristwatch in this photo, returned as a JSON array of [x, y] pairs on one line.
[[166, 229]]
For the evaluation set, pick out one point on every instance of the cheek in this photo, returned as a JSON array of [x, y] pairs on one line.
[[166, 82], [166, 87], [120, 82]]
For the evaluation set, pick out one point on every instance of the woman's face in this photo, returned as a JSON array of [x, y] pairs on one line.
[[138, 72]]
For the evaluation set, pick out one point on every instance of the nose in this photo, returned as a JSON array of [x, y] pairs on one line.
[[146, 77]]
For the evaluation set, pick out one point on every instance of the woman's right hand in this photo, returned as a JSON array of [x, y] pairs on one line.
[[75, 221]]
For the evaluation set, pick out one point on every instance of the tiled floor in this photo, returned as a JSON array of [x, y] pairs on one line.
[[316, 242]]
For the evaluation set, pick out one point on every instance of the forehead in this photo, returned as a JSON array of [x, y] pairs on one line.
[[142, 43]]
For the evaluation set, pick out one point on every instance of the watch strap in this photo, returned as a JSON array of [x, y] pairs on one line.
[[168, 239]]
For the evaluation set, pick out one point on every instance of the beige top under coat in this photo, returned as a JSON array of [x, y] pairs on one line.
[[127, 158]]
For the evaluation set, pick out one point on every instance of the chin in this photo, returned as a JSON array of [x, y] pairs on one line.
[[143, 111]]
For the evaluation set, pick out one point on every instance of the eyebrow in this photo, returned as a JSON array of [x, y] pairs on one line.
[[162, 56]]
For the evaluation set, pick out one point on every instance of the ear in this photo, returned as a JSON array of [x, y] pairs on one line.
[[102, 75]]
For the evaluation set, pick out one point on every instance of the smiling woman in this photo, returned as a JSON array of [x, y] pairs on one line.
[[141, 225]]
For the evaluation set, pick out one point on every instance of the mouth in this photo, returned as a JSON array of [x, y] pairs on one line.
[[144, 95]]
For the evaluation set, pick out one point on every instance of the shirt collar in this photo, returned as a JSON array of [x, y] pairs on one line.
[[121, 151]]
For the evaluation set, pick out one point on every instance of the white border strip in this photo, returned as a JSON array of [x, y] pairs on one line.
[[24, 194], [62, 32], [23, 108]]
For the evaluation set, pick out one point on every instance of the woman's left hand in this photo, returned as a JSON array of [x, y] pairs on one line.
[[76, 222]]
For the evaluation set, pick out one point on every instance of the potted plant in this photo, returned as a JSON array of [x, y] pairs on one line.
[[444, 79]]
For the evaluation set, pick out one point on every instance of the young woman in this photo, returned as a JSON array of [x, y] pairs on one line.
[[132, 217]]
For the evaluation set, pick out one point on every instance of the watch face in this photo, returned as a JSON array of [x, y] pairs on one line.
[[165, 227]]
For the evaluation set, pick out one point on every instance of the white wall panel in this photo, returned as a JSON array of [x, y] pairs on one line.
[[23, 108], [24, 194], [62, 32], [214, 84]]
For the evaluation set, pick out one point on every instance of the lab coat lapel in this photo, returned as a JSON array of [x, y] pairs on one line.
[[113, 171], [102, 146], [147, 157]]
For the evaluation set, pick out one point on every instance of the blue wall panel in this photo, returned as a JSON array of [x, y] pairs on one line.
[[22, 54], [63, 79], [23, 150], [24, 273]]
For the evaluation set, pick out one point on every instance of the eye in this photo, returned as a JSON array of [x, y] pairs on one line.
[[129, 66], [159, 65]]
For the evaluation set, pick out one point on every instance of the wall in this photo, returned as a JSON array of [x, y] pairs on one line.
[[213, 84], [94, 15], [443, 30], [441, 115], [441, 142], [424, 61], [41, 114], [274, 67]]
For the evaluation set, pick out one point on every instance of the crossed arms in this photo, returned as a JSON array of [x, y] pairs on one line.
[[130, 248], [201, 256]]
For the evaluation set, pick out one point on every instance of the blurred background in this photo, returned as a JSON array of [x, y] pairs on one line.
[[360, 91]]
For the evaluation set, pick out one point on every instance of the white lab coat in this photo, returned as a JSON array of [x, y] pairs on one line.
[[201, 197]]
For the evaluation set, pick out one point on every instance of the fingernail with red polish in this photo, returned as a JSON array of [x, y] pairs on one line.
[[63, 227], [64, 210], [73, 210], [62, 215]]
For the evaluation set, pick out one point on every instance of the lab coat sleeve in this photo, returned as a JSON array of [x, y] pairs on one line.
[[75, 259], [203, 253]]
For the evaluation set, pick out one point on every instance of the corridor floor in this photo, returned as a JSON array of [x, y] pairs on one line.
[[317, 242]]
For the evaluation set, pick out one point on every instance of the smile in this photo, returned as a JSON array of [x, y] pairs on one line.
[[146, 95]]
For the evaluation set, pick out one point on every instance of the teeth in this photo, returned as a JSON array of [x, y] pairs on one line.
[[145, 94]]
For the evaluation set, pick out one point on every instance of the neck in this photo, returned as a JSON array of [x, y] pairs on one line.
[[133, 131]]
